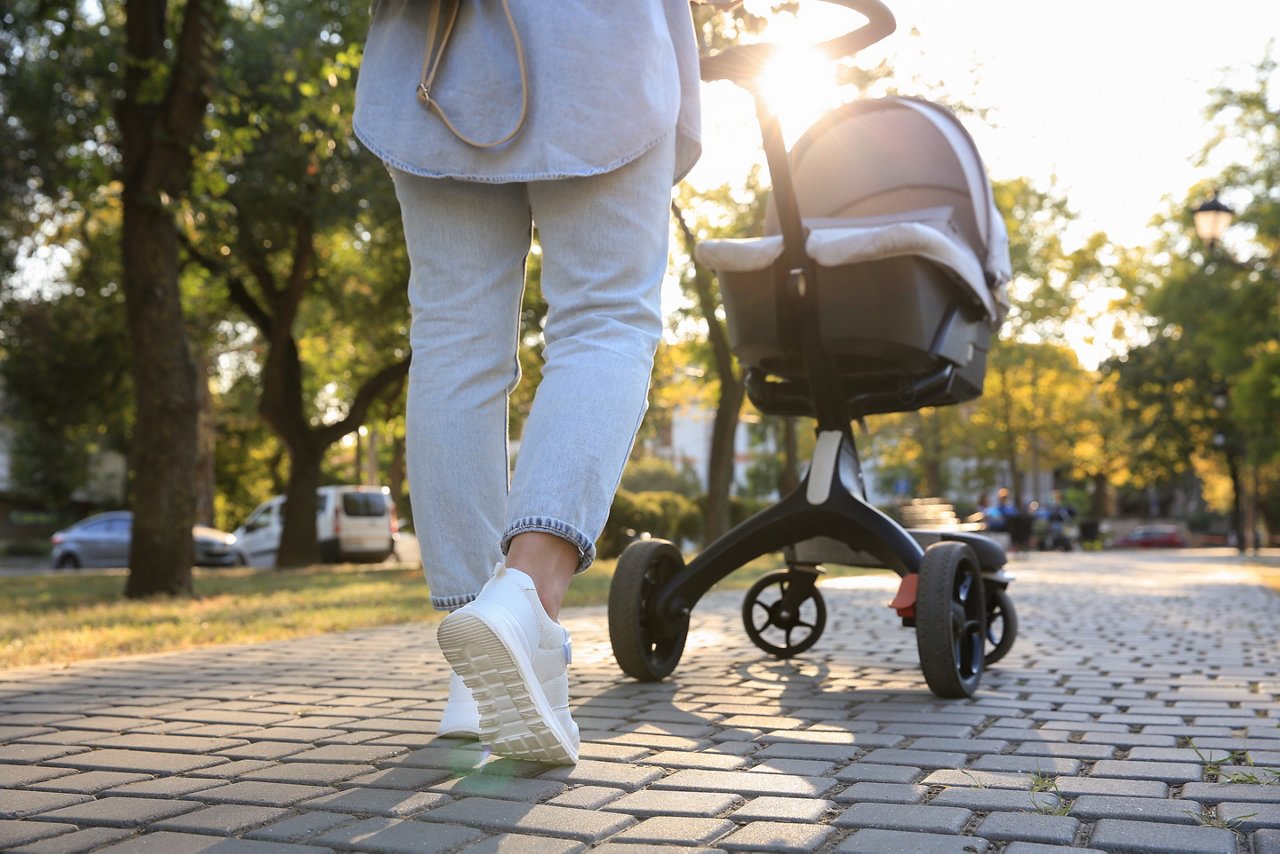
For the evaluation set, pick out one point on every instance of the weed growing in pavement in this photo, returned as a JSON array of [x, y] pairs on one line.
[[1232, 823]]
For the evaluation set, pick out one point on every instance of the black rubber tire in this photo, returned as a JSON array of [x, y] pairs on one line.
[[68, 561], [641, 651], [950, 620], [753, 607], [999, 610]]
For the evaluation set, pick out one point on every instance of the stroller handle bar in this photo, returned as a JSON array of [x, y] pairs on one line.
[[742, 64]]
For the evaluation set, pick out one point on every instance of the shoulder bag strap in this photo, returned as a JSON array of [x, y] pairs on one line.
[[444, 14]]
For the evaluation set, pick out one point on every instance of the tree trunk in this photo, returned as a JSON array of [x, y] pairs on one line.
[[156, 141], [1233, 468], [789, 482], [163, 444], [931, 452], [720, 468], [299, 544], [732, 392], [206, 448]]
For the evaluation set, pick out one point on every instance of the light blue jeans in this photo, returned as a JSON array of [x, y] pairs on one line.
[[604, 254]]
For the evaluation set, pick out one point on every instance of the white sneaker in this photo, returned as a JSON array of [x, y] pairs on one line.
[[514, 659], [461, 718]]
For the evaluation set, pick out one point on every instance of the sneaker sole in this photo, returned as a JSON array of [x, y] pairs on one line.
[[515, 720]]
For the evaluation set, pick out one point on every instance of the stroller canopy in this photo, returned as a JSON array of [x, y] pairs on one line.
[[887, 177]]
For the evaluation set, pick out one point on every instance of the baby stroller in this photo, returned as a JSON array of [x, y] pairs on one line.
[[877, 288]]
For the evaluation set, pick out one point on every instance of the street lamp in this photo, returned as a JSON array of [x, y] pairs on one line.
[[1212, 220]]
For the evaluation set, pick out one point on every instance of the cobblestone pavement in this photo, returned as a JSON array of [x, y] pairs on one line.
[[1137, 712]]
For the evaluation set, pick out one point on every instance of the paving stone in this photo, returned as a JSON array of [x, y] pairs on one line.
[[164, 787], [1029, 827], [916, 758], [140, 761], [17, 776], [28, 754], [19, 803], [1067, 750], [169, 743], [876, 841], [1246, 817], [870, 772], [979, 779], [74, 843], [1266, 842], [709, 761], [169, 842], [514, 843], [297, 828], [393, 803], [883, 793], [746, 783], [1026, 764], [994, 800], [14, 833], [652, 802], [1214, 793], [1167, 772], [587, 797], [611, 752], [498, 786], [783, 836], [411, 779], [88, 782], [616, 775], [121, 812], [1042, 848], [1175, 812], [264, 750], [1144, 837], [508, 817], [771, 809], [308, 773], [261, 794], [231, 769], [223, 819], [1070, 787], [927, 819], [669, 830]]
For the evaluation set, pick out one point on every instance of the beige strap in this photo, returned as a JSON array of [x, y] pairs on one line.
[[439, 29]]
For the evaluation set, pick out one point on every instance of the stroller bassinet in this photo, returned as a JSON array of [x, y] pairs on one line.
[[912, 259], [877, 288]]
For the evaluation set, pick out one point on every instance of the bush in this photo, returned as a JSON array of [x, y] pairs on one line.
[[652, 474], [666, 515]]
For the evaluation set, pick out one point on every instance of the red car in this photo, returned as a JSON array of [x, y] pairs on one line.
[[1152, 537]]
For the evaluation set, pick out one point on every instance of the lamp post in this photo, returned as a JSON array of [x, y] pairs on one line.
[[1212, 219]]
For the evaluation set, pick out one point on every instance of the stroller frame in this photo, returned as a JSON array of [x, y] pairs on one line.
[[944, 574]]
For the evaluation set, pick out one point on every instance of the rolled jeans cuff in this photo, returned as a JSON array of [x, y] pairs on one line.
[[546, 525], [452, 603]]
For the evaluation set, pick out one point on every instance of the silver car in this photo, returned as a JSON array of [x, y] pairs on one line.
[[103, 540]]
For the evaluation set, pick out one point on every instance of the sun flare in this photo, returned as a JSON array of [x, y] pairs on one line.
[[799, 85]]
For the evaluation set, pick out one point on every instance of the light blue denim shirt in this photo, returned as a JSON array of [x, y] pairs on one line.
[[608, 79]]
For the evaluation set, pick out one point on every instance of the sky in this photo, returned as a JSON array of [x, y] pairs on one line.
[[1105, 98]]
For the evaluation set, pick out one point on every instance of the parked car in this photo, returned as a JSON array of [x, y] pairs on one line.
[[1151, 537], [353, 523], [103, 541]]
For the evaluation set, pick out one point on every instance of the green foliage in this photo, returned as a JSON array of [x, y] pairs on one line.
[[654, 474], [667, 515]]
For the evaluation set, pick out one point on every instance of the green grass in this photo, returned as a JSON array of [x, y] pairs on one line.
[[59, 619]]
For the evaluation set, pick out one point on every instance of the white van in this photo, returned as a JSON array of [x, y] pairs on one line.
[[353, 523]]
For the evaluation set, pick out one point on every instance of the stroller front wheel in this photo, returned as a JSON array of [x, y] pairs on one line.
[[644, 649], [788, 621]]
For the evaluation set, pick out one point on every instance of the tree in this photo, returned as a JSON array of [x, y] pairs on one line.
[[128, 95], [301, 227]]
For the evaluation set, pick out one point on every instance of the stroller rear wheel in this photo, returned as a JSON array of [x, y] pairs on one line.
[[1002, 624], [789, 620], [644, 649], [950, 620]]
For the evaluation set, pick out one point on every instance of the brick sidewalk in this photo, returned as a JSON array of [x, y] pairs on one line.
[[1112, 725]]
